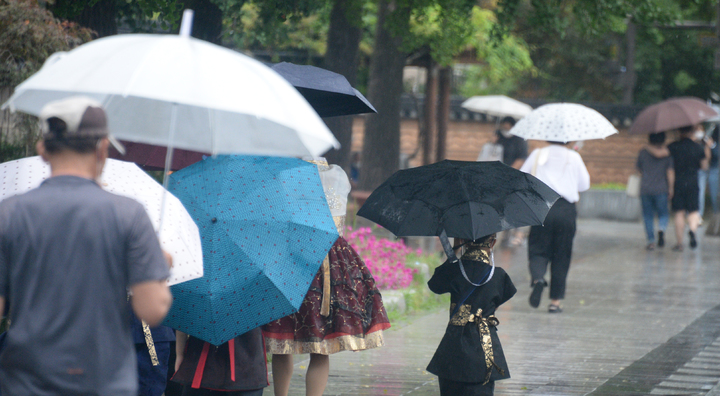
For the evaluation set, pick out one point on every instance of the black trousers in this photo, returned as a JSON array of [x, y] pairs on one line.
[[552, 244], [455, 388]]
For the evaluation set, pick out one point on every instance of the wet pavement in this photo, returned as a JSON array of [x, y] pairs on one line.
[[634, 323]]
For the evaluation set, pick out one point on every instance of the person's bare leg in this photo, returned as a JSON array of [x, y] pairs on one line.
[[694, 221], [282, 369], [679, 226], [317, 374]]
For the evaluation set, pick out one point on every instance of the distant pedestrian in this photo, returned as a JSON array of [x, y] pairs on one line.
[[470, 358], [564, 171], [355, 166], [688, 157], [513, 151], [69, 253], [658, 177], [710, 179]]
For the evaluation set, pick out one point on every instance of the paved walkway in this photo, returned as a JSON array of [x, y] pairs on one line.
[[635, 323]]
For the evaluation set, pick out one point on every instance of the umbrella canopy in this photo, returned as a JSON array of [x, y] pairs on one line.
[[330, 94], [179, 236], [181, 92], [498, 106], [463, 199], [672, 114], [151, 157], [265, 227], [563, 122]]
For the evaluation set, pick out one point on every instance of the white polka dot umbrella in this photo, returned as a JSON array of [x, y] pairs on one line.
[[563, 122], [179, 237]]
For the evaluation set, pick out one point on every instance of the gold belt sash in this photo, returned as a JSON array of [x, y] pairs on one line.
[[464, 316], [326, 292]]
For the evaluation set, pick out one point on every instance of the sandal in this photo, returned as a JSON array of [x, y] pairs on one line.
[[677, 248], [650, 246], [554, 308]]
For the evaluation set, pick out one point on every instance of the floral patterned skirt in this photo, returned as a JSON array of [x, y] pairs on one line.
[[356, 317]]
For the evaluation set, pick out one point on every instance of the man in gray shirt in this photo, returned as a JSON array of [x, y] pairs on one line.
[[69, 253]]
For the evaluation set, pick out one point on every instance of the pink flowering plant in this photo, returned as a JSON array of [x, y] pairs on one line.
[[384, 258]]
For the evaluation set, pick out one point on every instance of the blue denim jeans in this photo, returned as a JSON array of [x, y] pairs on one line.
[[652, 204], [711, 179]]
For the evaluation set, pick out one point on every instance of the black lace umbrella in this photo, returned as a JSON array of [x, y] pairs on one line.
[[458, 199]]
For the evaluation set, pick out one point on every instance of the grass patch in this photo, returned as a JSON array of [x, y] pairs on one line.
[[419, 300], [609, 186]]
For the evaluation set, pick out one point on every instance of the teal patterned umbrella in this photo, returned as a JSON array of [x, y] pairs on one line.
[[265, 228]]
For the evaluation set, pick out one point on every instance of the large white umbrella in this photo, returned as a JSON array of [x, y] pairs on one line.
[[181, 92], [563, 122], [498, 106], [180, 235]]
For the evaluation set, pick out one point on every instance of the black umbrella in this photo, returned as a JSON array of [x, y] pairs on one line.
[[330, 94], [459, 199]]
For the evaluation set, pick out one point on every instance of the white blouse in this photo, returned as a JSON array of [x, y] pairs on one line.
[[560, 168]]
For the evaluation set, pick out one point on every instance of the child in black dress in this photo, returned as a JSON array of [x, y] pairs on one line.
[[469, 358]]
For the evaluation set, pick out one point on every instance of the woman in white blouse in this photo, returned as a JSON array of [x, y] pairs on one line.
[[564, 171]]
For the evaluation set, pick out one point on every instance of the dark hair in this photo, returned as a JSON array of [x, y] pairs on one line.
[[80, 145], [686, 129], [657, 138], [57, 140], [484, 241], [508, 120]]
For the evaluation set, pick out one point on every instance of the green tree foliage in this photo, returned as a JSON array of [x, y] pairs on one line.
[[503, 65], [443, 27], [252, 27], [579, 47], [590, 17], [673, 63], [28, 35], [139, 15]]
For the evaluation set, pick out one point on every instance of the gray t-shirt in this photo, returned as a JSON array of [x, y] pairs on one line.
[[68, 253], [654, 173]]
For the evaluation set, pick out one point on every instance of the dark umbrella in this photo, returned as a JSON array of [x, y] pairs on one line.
[[672, 114], [330, 94], [458, 199], [151, 157]]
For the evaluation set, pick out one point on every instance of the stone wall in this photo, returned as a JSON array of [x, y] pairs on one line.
[[609, 161]]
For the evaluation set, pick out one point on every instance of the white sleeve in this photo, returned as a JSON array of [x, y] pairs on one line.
[[527, 166], [583, 176], [337, 187]]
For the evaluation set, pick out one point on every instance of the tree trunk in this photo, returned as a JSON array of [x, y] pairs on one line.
[[445, 83], [343, 41], [207, 20], [430, 112], [381, 144], [630, 76]]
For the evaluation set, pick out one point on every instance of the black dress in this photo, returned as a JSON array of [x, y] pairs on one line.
[[207, 367], [470, 358]]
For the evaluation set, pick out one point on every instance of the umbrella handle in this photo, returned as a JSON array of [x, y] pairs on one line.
[[445, 242], [168, 163]]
